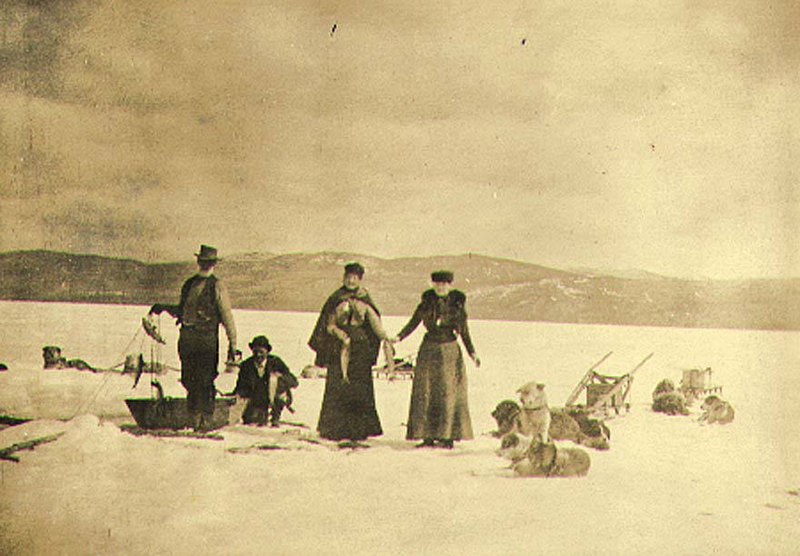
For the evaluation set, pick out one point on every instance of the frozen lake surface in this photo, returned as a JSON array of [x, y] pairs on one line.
[[667, 486]]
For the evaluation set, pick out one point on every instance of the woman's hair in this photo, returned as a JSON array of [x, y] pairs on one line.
[[442, 276], [354, 268]]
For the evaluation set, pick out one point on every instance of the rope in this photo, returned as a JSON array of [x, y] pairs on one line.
[[90, 400]]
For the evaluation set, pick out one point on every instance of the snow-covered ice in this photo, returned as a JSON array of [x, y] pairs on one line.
[[667, 485]]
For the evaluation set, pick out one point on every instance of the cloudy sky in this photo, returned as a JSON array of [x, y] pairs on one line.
[[662, 136]]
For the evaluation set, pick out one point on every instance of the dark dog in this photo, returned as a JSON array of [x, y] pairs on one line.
[[506, 414], [545, 459], [594, 432], [667, 399], [54, 360], [563, 426], [664, 387], [670, 403]]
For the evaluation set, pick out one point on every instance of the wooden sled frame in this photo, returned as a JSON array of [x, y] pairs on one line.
[[696, 384], [606, 395]]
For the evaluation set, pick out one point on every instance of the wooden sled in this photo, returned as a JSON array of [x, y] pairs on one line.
[[606, 395], [696, 384]]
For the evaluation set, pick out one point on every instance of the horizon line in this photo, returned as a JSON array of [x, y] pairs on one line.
[[610, 272]]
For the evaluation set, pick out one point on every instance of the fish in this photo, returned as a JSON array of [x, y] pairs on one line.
[[140, 365], [151, 329], [388, 353], [344, 359], [159, 389]]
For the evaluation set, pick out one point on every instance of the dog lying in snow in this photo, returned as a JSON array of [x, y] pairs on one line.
[[664, 387], [668, 400], [545, 459], [594, 433], [54, 360], [506, 414], [716, 410]]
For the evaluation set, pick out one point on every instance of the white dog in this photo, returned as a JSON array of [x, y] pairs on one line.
[[534, 413]]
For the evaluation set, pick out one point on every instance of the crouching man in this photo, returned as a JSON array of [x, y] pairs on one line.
[[265, 384]]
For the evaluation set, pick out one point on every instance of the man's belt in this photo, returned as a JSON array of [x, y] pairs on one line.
[[201, 327]]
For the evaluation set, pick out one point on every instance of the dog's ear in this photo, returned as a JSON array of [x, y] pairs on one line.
[[540, 386]]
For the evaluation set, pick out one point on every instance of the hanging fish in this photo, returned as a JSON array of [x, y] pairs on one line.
[[159, 389], [151, 329], [140, 365], [388, 354], [344, 360]]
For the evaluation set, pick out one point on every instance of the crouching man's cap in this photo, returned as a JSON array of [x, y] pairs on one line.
[[260, 341]]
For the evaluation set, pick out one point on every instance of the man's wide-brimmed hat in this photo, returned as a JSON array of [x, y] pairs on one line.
[[260, 341], [207, 253], [442, 276]]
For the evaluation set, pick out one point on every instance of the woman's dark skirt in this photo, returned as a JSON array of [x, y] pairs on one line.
[[439, 403], [348, 408]]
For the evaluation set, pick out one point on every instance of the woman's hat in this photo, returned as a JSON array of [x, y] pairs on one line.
[[354, 268], [207, 253], [442, 276], [260, 341]]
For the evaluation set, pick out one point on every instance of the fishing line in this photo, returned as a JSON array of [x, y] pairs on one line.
[[86, 403]]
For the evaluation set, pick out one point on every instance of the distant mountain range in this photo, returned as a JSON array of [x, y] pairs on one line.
[[496, 288]]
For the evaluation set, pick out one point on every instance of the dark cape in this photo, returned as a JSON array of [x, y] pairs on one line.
[[348, 407], [328, 347]]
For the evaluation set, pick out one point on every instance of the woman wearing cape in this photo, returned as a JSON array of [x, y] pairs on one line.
[[347, 339]]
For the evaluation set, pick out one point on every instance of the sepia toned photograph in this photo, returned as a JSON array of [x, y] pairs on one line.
[[416, 278]]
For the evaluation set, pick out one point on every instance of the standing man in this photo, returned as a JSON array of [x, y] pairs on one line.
[[203, 306]]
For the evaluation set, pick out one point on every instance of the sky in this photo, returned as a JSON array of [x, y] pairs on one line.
[[609, 135]]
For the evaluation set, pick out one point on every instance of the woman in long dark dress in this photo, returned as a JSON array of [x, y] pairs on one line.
[[439, 409], [347, 338]]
